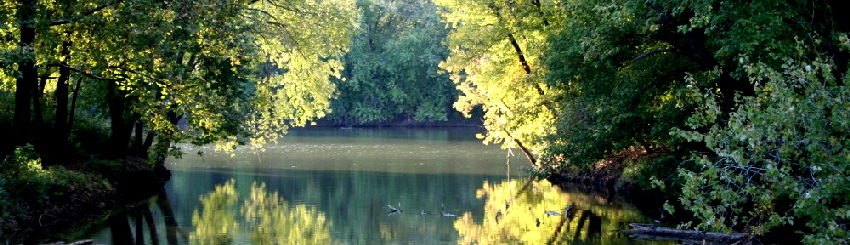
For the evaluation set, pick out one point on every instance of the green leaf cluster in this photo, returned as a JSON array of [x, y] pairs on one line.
[[175, 71], [754, 90], [497, 62], [782, 158], [392, 69]]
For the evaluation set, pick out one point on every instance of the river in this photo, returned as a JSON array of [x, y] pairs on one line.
[[364, 186]]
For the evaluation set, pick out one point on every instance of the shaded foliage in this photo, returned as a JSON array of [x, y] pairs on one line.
[[391, 70]]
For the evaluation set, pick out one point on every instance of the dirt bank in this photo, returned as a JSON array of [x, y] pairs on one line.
[[77, 204]]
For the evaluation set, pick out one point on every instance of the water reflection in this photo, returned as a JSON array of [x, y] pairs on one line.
[[145, 220], [265, 216], [337, 187], [499, 211], [535, 212]]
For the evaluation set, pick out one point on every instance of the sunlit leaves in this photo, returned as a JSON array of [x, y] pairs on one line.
[[487, 42]]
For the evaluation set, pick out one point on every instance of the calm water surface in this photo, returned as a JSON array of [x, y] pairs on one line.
[[365, 186]]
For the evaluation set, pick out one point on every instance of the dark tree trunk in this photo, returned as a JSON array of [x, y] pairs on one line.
[[27, 80], [148, 142], [60, 125], [120, 136], [525, 151], [140, 144], [73, 107]]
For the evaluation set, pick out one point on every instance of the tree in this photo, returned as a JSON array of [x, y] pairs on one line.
[[752, 107], [234, 71], [496, 61], [781, 159], [392, 67]]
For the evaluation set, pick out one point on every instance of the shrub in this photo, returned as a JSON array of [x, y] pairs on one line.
[[25, 187], [782, 157]]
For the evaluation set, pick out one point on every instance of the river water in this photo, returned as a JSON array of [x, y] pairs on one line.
[[365, 186]]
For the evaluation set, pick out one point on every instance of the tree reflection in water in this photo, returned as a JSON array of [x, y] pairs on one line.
[[265, 215], [515, 212], [122, 232]]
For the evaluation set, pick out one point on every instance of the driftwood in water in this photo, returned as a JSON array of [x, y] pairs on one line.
[[650, 232]]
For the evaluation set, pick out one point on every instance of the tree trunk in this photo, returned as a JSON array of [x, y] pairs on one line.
[[21, 122], [60, 125], [73, 108], [525, 151], [120, 136]]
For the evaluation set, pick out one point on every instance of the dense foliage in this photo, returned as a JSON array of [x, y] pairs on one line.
[[391, 70], [168, 71], [782, 157], [497, 58], [753, 91], [116, 79]]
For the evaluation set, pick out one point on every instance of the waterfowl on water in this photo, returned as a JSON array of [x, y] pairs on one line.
[[394, 210], [443, 213]]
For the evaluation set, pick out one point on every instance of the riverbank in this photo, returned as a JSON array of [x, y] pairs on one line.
[[51, 202], [624, 174], [627, 174]]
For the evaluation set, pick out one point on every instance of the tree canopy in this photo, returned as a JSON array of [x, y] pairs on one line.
[[229, 71], [391, 71], [497, 61], [746, 99]]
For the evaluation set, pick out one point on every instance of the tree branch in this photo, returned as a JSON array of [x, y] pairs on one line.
[[647, 54], [84, 14], [92, 76]]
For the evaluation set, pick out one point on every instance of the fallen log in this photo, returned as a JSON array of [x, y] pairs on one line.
[[651, 232], [80, 242]]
